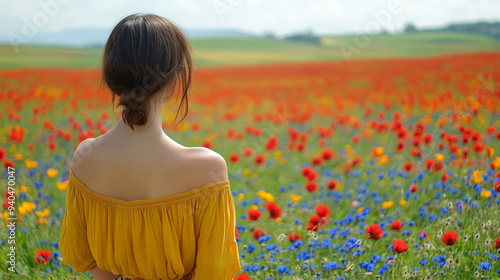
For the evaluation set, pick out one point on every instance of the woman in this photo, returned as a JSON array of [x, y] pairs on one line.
[[138, 204]]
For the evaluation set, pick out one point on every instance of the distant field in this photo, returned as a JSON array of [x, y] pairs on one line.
[[240, 51]]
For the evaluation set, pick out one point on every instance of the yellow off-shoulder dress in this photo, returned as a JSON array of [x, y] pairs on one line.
[[190, 235]]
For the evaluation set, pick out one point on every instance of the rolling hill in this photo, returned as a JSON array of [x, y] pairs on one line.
[[247, 50]]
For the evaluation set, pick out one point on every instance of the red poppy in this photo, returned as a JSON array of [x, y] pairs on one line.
[[444, 178], [43, 256], [274, 210], [257, 233], [272, 143], [327, 154], [416, 152], [293, 133], [301, 146], [402, 134], [7, 194], [236, 234], [323, 211], [428, 139], [374, 231], [316, 161], [332, 185], [3, 153], [397, 225], [254, 214], [8, 163], [234, 157], [413, 188], [242, 276], [294, 237], [207, 144], [355, 139], [478, 147], [416, 141], [408, 166], [441, 146], [247, 151], [356, 161], [309, 173], [400, 146], [490, 130], [315, 222], [311, 186], [259, 159], [6, 204], [450, 237], [399, 246], [497, 186], [496, 246], [195, 127]]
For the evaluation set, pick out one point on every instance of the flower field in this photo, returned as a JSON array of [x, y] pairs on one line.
[[369, 169]]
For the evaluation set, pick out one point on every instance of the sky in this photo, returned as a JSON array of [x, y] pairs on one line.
[[282, 17]]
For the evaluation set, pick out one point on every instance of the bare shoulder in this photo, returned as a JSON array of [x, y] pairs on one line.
[[209, 166], [82, 152]]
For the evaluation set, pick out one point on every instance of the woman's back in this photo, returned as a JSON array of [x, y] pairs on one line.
[[167, 217], [148, 165]]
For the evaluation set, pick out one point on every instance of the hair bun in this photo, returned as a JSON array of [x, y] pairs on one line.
[[135, 107]]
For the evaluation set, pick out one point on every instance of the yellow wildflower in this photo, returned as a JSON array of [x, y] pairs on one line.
[[489, 151], [496, 162], [269, 197], [387, 204], [29, 206], [477, 176], [30, 164], [383, 159], [241, 196], [296, 198], [43, 214], [51, 172], [439, 157], [378, 151], [485, 194], [62, 185]]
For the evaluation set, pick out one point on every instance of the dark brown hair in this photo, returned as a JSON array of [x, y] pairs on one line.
[[146, 54]]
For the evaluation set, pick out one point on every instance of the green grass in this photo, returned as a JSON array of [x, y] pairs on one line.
[[242, 51], [45, 56]]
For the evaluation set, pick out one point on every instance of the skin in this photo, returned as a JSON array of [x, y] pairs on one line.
[[116, 164]]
